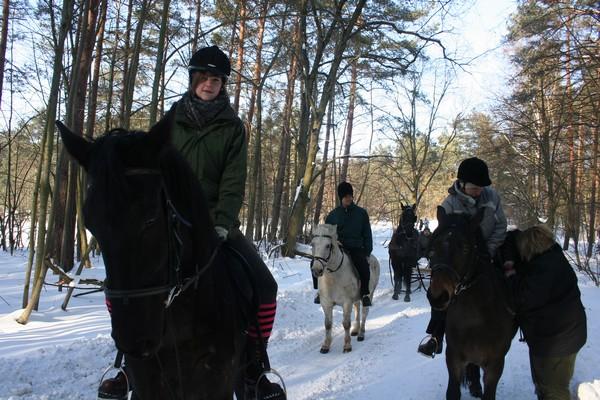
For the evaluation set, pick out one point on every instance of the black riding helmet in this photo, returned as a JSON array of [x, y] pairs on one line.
[[474, 170], [210, 59]]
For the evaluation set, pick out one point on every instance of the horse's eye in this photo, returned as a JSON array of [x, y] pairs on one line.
[[328, 247]]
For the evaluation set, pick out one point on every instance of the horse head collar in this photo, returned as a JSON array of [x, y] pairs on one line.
[[455, 251], [323, 251]]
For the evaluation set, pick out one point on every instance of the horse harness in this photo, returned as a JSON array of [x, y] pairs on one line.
[[177, 284], [325, 261]]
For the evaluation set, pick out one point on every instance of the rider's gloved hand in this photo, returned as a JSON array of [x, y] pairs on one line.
[[222, 232], [509, 268]]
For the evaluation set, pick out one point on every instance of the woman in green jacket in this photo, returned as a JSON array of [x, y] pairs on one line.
[[212, 138]]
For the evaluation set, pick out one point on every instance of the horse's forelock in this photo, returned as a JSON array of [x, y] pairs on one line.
[[326, 230]]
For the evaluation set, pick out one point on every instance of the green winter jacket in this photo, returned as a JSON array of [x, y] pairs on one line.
[[353, 227], [217, 153]]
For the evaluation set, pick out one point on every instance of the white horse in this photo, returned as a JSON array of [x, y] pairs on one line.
[[339, 284]]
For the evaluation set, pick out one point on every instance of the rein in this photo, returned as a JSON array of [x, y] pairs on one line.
[[177, 284], [325, 261]]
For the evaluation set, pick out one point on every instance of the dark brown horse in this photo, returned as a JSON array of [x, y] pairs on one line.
[[479, 324], [404, 250], [175, 311]]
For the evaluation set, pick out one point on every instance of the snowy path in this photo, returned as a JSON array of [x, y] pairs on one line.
[[60, 355]]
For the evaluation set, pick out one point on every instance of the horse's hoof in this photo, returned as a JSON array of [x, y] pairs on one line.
[[395, 296], [475, 390], [354, 333], [324, 350], [348, 350], [360, 338], [407, 298]]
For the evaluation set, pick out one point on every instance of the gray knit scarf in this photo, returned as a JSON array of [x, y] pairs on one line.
[[201, 112]]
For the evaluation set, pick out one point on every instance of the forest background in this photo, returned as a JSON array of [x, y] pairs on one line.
[[389, 95]]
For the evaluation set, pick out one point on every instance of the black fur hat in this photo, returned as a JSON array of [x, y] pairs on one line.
[[344, 189], [475, 171]]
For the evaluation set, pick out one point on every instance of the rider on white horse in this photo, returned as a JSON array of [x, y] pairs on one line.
[[354, 233]]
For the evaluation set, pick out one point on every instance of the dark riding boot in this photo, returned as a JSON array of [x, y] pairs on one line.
[[436, 328], [114, 388], [431, 347], [366, 301], [258, 386]]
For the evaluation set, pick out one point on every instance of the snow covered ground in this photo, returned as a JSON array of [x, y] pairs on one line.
[[61, 355]]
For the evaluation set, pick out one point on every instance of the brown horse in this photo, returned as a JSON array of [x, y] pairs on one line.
[[479, 323]]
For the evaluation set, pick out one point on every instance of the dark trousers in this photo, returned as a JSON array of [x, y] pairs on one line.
[[359, 259], [437, 324], [261, 276], [552, 375]]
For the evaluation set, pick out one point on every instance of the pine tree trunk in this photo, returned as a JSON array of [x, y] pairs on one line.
[[571, 195], [593, 173], [319, 198], [349, 123], [285, 143], [164, 27], [65, 212], [93, 97], [111, 74], [33, 223], [3, 42], [45, 162], [127, 54], [196, 26], [130, 78], [240, 57], [255, 136]]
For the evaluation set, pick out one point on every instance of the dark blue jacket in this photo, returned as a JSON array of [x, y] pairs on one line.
[[353, 227]]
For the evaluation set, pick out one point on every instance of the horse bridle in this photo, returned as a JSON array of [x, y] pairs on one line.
[[325, 261], [463, 282], [177, 284]]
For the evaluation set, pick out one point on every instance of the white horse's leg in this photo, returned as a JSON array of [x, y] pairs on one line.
[[356, 324], [328, 310], [346, 322], [361, 333]]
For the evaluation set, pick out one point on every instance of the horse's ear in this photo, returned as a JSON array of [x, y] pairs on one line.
[[414, 206], [78, 147], [441, 215], [160, 133], [477, 218], [402, 205]]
